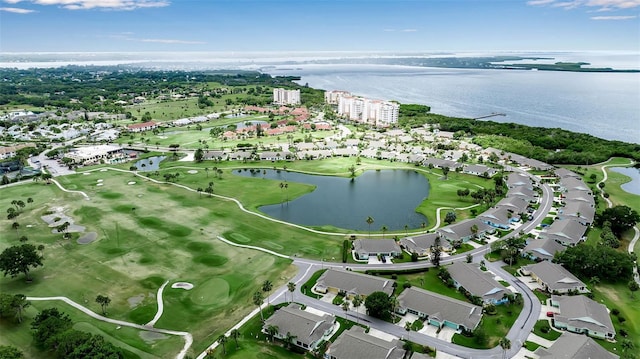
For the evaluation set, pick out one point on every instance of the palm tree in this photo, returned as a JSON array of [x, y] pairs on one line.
[[272, 330], [257, 300], [18, 303], [505, 343], [345, 307], [104, 302], [370, 222], [235, 334], [288, 340], [222, 340], [384, 230], [206, 169], [266, 287], [41, 249], [357, 302], [292, 288], [16, 226], [199, 190]]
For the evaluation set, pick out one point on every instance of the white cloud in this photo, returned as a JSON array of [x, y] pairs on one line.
[[389, 30], [614, 17], [16, 10], [409, 30], [601, 5], [170, 41], [98, 4]]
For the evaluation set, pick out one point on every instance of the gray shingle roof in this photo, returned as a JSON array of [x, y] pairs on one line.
[[571, 183], [376, 246], [497, 216], [307, 327], [441, 307], [570, 346], [543, 248], [356, 344], [581, 312], [514, 204], [462, 229], [565, 230], [423, 242], [355, 283], [581, 211], [476, 281], [517, 180], [554, 276]]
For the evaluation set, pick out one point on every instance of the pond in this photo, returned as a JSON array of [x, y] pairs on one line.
[[149, 164], [390, 197], [632, 187]]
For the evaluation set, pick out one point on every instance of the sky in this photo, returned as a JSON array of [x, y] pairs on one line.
[[319, 25]]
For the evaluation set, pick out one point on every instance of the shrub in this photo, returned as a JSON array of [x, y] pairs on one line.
[[615, 311]]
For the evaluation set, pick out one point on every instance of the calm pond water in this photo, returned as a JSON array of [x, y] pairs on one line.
[[389, 196], [150, 164], [633, 186]]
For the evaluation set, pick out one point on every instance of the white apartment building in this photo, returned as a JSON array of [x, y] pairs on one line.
[[374, 112], [286, 97]]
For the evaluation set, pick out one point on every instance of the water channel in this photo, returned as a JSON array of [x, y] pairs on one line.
[[632, 187], [390, 197]]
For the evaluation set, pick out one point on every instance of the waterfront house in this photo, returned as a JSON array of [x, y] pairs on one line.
[[365, 248], [352, 283], [422, 244], [479, 170], [465, 230]]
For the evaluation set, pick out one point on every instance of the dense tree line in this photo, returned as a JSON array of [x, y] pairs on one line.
[[56, 87], [605, 263], [550, 145], [53, 331]]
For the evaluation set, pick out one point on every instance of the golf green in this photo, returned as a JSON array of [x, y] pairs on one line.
[[213, 291]]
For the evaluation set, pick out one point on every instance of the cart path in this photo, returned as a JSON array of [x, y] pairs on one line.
[[188, 338]]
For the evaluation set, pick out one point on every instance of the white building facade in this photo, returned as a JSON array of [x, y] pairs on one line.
[[360, 109], [283, 96]]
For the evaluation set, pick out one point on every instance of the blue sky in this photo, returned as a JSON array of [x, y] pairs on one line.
[[319, 25]]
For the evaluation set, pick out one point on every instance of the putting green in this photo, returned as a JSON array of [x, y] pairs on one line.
[[239, 238], [210, 260], [310, 250], [214, 291]]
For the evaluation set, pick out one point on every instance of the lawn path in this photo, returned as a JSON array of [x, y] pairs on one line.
[[636, 235], [188, 338], [70, 191], [435, 226], [160, 305]]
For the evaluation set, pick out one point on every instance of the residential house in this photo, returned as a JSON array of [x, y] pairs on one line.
[[565, 231], [578, 196], [565, 173], [141, 127], [356, 344], [524, 193], [542, 249], [478, 282], [439, 310], [554, 278], [275, 156], [530, 163], [365, 248], [465, 230], [572, 184], [580, 212], [11, 151], [519, 180], [440, 163], [570, 346], [479, 170], [582, 315], [513, 204], [499, 217], [422, 244], [307, 329], [352, 283]]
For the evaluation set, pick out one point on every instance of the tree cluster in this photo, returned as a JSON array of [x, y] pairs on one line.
[[606, 263], [379, 305], [620, 218], [53, 331]]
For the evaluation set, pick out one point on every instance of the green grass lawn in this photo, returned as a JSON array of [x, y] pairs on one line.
[[426, 280], [495, 326], [306, 288], [531, 346], [551, 334], [170, 235]]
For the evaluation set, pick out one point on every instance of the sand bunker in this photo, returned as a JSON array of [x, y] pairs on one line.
[[134, 301], [182, 285], [100, 184], [86, 173], [192, 172], [88, 238], [132, 182], [100, 180]]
